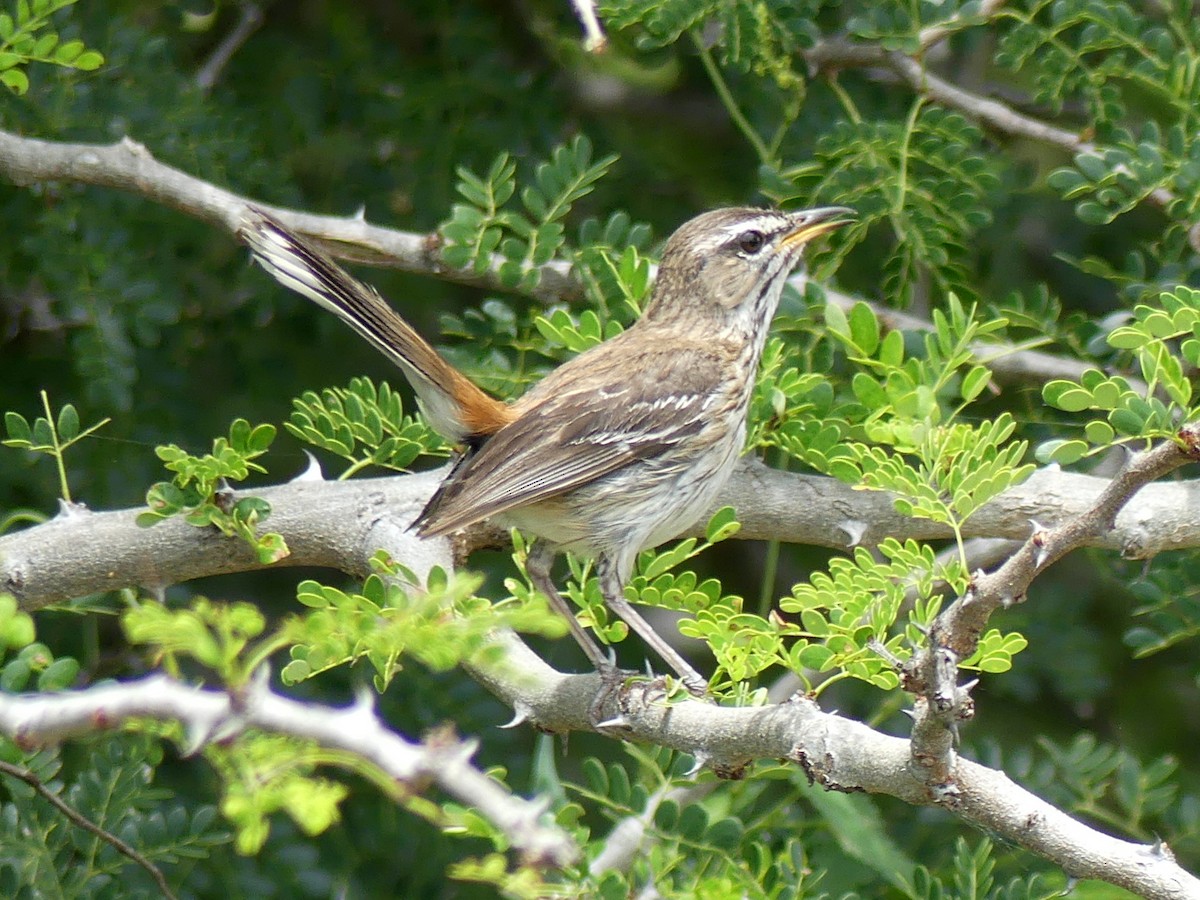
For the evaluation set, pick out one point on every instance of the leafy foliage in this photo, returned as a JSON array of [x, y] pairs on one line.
[[1156, 406], [527, 238], [40, 855], [441, 624], [32, 665], [20, 43], [199, 490], [363, 424], [926, 178], [50, 435]]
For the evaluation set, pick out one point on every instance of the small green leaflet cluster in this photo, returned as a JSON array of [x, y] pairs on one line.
[[50, 435], [197, 491], [906, 439], [972, 874], [785, 396], [1156, 338], [926, 178], [653, 582], [387, 623], [222, 637], [1111, 181], [528, 237], [364, 425], [898, 25], [1093, 49], [741, 856], [1106, 52], [1170, 605], [263, 774], [20, 43], [34, 666], [847, 614]]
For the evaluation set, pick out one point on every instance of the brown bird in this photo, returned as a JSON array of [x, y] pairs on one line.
[[621, 448]]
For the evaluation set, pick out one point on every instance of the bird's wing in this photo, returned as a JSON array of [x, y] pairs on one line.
[[591, 417]]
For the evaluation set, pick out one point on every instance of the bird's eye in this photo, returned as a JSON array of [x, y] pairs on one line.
[[751, 241]]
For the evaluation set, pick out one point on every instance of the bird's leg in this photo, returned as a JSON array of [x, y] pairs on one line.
[[538, 566], [614, 596]]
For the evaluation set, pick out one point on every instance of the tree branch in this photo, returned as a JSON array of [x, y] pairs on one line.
[[129, 166], [50, 718], [932, 673], [836, 53], [339, 524]]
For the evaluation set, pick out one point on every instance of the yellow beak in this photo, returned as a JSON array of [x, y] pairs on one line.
[[812, 223]]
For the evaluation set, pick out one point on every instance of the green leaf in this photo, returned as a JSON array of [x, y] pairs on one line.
[[722, 525], [17, 427], [974, 382], [68, 423], [15, 80]]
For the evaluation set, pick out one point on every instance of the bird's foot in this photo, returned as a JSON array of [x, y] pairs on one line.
[[623, 690], [608, 707]]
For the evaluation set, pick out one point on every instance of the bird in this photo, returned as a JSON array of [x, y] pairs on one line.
[[620, 448]]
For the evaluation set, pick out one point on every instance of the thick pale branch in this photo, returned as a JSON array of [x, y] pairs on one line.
[[838, 754], [51, 718], [340, 524]]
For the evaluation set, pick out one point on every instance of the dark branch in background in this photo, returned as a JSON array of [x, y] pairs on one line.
[[838, 53], [249, 19], [81, 821], [932, 673], [129, 166]]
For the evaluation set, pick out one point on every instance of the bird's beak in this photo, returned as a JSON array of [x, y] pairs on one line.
[[811, 223]]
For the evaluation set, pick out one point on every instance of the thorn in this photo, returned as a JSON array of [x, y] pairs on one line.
[[700, 761], [617, 721], [312, 472], [854, 530], [521, 713], [360, 214], [969, 686], [1040, 556], [68, 509], [911, 713]]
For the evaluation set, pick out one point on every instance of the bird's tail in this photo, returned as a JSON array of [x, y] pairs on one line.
[[455, 406]]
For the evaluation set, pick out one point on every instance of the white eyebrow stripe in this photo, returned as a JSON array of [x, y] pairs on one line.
[[768, 223]]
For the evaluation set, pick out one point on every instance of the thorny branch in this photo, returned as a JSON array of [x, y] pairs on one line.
[[208, 715], [932, 673]]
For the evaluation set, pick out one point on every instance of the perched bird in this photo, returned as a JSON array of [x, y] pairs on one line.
[[621, 448]]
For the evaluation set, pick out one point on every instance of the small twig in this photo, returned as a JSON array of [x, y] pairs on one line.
[[214, 66], [78, 819]]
